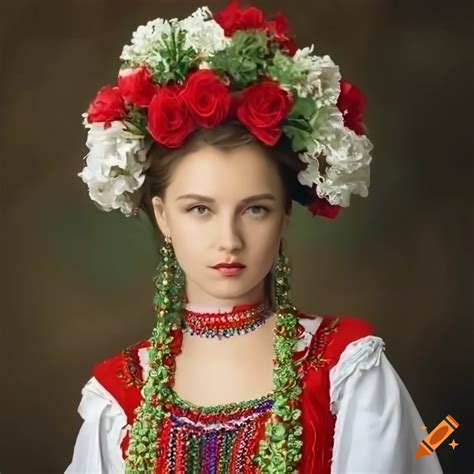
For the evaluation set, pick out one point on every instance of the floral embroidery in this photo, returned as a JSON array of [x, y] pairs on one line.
[[314, 357], [130, 371]]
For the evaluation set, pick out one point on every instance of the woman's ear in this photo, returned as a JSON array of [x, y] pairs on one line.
[[160, 215]]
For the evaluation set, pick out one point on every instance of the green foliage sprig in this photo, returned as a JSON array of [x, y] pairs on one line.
[[244, 59]]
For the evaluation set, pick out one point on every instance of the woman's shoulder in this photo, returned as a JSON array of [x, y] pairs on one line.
[[333, 336], [343, 328], [121, 374]]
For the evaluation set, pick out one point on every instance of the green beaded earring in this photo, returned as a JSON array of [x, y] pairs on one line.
[[169, 283], [281, 286]]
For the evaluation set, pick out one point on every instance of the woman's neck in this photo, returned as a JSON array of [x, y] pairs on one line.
[[197, 300], [217, 307]]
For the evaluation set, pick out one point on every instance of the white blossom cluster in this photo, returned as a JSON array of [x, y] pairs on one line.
[[347, 154], [348, 172], [114, 166], [146, 40], [203, 34], [322, 77]]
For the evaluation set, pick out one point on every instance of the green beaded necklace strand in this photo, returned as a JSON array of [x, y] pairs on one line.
[[280, 450]]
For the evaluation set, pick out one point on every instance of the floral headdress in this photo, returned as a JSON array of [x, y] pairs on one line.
[[179, 75]]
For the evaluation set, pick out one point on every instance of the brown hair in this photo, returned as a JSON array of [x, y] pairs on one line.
[[227, 136]]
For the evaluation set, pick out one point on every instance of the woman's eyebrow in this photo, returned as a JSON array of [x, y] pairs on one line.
[[200, 197]]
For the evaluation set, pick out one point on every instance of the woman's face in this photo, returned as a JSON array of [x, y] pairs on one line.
[[213, 214]]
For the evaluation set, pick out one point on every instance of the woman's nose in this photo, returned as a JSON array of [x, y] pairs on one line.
[[229, 235]]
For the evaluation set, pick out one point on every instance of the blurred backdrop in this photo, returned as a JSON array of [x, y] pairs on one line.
[[77, 282]]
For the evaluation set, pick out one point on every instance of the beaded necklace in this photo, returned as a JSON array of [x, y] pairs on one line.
[[240, 320]]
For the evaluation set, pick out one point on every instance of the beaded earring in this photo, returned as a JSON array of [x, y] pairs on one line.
[[169, 283], [280, 285]]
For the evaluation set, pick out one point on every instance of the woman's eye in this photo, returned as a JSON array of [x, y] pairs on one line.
[[263, 210], [197, 207]]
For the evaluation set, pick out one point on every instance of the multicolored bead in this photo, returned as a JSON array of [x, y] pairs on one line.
[[213, 440], [225, 324]]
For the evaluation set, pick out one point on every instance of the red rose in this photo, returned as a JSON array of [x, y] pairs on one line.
[[136, 86], [262, 108], [169, 120], [233, 18], [107, 106], [280, 29], [207, 98], [321, 207], [351, 103]]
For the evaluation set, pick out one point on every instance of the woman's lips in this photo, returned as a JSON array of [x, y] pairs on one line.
[[229, 271]]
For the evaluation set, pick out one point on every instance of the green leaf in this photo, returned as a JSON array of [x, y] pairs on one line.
[[171, 60], [300, 123], [304, 107], [244, 59], [136, 121], [284, 69], [299, 135]]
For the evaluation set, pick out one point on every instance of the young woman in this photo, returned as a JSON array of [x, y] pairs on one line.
[[217, 124]]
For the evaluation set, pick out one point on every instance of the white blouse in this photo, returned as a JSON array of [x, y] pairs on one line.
[[377, 429]]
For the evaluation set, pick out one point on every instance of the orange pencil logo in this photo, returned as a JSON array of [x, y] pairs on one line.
[[437, 436]]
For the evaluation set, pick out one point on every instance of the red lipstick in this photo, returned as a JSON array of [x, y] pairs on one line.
[[229, 265], [229, 268]]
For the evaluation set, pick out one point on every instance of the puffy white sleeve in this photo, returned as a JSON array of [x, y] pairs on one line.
[[97, 448], [378, 427]]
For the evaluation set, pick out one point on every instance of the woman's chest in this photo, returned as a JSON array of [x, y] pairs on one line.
[[218, 375]]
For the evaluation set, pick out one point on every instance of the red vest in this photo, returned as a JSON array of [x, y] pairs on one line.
[[122, 376]]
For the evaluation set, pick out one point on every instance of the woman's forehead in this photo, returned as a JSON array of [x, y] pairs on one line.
[[244, 171]]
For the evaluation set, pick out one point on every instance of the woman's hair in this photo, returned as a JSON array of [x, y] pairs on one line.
[[228, 136]]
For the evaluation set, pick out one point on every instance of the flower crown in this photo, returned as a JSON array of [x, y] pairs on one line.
[[179, 75]]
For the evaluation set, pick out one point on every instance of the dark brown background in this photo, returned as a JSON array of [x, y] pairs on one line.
[[77, 282]]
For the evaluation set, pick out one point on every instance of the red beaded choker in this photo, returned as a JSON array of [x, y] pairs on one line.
[[241, 319]]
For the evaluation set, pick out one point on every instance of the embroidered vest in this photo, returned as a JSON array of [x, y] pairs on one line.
[[122, 376]]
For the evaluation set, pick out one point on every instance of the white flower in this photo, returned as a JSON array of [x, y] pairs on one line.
[[203, 33], [114, 165], [348, 159], [322, 78], [145, 40]]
